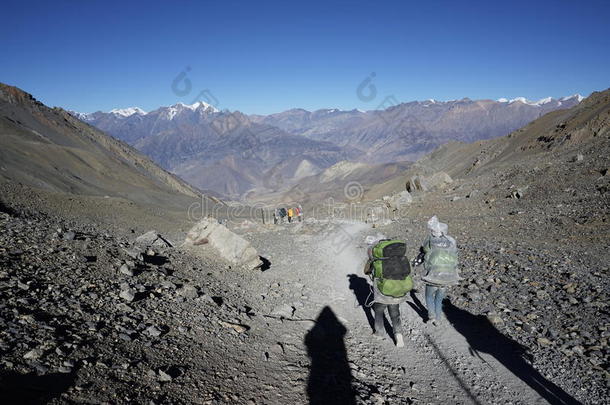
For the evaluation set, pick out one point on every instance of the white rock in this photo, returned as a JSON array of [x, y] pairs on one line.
[[124, 269], [128, 294], [229, 246]]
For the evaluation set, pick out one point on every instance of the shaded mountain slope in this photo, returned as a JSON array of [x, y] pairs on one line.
[[50, 149]]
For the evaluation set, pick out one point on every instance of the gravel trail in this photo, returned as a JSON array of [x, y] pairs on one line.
[[437, 364]]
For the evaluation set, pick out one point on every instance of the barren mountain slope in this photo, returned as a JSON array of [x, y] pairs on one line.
[[50, 149], [555, 136], [341, 181]]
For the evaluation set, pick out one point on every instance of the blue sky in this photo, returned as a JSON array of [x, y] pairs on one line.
[[269, 57]]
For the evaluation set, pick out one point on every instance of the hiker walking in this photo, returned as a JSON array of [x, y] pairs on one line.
[[300, 212], [290, 214], [390, 271], [439, 256], [282, 214]]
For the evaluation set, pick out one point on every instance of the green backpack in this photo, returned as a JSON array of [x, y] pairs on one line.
[[441, 263], [391, 268]]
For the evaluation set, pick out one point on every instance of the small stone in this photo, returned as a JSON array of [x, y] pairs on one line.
[[123, 307], [33, 354], [65, 370], [543, 341], [153, 331], [70, 235], [495, 319], [164, 377], [92, 326], [134, 253], [41, 370], [474, 296], [15, 252], [236, 327], [168, 284], [188, 291], [283, 311], [124, 269], [128, 294]]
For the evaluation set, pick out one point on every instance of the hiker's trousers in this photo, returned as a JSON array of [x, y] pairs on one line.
[[434, 301], [394, 311]]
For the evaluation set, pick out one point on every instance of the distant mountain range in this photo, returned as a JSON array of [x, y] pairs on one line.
[[233, 154]]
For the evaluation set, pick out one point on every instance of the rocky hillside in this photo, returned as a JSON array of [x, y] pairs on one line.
[[531, 215], [50, 149], [556, 137]]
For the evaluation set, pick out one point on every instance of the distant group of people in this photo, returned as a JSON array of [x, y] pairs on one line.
[[391, 273], [282, 214]]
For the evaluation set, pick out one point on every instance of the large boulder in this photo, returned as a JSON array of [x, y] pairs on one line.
[[416, 183], [439, 180], [227, 244]]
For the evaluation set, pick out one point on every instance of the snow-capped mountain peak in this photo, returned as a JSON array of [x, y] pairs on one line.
[[519, 99], [196, 106], [127, 112], [576, 96], [542, 101], [81, 116]]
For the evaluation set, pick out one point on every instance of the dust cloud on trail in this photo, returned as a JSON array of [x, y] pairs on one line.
[[346, 254]]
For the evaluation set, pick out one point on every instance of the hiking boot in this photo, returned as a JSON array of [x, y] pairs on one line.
[[399, 341], [379, 334]]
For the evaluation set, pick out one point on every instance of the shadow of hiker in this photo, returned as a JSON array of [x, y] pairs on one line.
[[330, 378], [16, 388], [482, 336], [362, 291], [418, 306]]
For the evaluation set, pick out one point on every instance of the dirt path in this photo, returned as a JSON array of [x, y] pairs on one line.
[[437, 364]]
